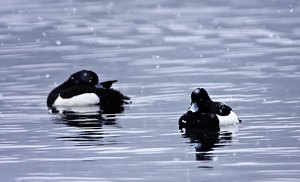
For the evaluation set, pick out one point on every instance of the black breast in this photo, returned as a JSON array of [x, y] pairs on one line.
[[198, 120]]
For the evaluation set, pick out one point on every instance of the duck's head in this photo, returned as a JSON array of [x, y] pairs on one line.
[[84, 77], [200, 96]]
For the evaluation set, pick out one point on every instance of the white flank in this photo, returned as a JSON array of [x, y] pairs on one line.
[[79, 109], [194, 107], [230, 119], [232, 128], [79, 100]]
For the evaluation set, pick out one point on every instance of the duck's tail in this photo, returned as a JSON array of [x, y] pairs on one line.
[[126, 100]]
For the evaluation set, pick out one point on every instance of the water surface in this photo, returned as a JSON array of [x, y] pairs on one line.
[[244, 53]]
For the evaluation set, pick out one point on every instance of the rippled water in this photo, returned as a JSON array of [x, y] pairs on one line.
[[244, 53]]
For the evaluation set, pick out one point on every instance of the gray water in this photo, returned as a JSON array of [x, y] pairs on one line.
[[245, 53]]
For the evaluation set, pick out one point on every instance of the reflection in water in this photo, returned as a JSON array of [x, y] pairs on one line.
[[207, 139], [90, 119], [87, 116]]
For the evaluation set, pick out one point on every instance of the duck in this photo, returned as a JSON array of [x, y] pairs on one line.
[[204, 112], [83, 89]]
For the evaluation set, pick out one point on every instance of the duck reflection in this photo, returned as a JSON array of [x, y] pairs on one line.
[[90, 119], [207, 139], [87, 116]]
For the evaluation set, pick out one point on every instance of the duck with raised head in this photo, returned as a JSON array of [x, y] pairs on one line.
[[204, 112], [83, 89]]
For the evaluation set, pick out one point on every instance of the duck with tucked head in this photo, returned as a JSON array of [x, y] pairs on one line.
[[204, 112], [83, 89]]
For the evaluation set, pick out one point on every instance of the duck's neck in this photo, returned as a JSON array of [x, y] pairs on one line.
[[204, 107], [55, 92]]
